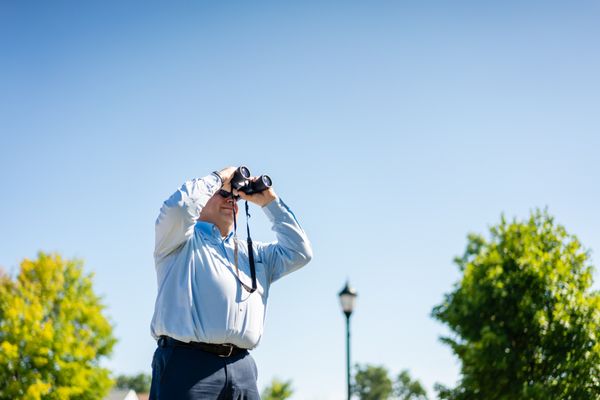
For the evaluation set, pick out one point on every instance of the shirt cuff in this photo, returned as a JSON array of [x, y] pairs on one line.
[[219, 178], [212, 184]]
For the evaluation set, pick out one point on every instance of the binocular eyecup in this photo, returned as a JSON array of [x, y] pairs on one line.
[[241, 181]]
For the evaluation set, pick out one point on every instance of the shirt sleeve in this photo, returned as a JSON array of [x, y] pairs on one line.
[[179, 213], [291, 250]]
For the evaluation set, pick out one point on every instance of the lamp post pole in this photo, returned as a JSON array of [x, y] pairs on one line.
[[347, 299], [348, 354]]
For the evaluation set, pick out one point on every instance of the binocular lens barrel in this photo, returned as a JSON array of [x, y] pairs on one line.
[[244, 171], [262, 183], [240, 178]]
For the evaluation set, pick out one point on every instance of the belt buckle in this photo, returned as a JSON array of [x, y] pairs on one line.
[[230, 350]]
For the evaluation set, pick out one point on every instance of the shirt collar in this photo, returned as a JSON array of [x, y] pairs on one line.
[[210, 230]]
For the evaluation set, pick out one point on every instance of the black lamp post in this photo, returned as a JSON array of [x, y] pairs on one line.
[[347, 300]]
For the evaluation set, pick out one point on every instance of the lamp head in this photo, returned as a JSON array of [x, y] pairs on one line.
[[347, 299]]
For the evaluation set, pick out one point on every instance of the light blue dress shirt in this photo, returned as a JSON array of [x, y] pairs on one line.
[[199, 297]]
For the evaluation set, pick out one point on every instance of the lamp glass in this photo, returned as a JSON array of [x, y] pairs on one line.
[[347, 300]]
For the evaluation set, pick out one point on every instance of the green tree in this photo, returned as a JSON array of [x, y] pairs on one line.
[[52, 333], [372, 383], [278, 390], [140, 382], [524, 319], [407, 389]]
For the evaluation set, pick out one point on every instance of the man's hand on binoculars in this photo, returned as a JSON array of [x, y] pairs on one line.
[[262, 198], [226, 174]]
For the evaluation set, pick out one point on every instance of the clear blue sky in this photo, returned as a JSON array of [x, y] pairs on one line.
[[391, 128]]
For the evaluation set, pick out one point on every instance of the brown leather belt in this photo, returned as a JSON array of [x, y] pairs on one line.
[[222, 350]]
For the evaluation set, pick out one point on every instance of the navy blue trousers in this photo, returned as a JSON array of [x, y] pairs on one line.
[[180, 373]]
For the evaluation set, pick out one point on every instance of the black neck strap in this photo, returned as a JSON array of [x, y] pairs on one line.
[[250, 249], [250, 253]]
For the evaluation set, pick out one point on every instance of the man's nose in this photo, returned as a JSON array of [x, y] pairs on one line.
[[233, 203]]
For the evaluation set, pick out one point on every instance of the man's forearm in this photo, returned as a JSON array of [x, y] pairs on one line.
[[179, 213], [292, 249]]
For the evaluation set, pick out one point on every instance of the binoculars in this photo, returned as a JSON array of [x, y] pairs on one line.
[[241, 181]]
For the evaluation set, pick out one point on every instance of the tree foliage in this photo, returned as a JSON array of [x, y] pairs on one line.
[[277, 390], [407, 389], [524, 319], [52, 333], [374, 383], [140, 382]]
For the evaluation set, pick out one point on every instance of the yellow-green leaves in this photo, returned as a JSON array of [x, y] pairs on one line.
[[278, 390], [52, 333]]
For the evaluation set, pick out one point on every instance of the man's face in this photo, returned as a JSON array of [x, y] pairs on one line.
[[219, 211]]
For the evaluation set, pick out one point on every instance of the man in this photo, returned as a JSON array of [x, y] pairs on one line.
[[209, 310]]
